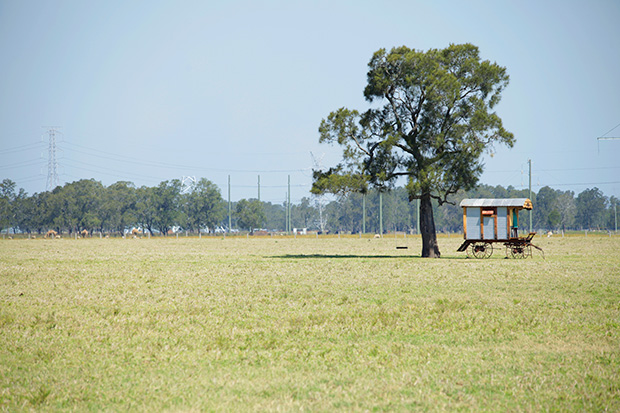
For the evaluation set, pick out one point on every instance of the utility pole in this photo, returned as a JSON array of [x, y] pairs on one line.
[[598, 141], [288, 205], [605, 138], [52, 163], [258, 188], [363, 213], [381, 213], [286, 212], [529, 161], [229, 207]]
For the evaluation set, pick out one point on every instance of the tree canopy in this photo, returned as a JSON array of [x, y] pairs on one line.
[[250, 214], [204, 205], [121, 207], [591, 205], [431, 118]]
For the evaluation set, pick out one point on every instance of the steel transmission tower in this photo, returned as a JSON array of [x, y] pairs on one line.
[[52, 162], [320, 199], [187, 184]]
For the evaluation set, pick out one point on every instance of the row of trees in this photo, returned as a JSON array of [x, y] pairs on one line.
[[553, 210], [89, 205]]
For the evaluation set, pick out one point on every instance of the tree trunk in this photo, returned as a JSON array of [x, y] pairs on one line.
[[430, 249]]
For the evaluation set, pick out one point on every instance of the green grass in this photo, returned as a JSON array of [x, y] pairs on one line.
[[304, 324]]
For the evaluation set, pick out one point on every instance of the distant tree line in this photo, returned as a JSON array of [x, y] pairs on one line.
[[88, 205], [553, 210]]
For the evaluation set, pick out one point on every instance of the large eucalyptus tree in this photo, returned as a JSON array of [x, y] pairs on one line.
[[430, 119]]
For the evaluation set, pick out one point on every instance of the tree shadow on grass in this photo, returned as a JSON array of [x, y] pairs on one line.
[[349, 256]]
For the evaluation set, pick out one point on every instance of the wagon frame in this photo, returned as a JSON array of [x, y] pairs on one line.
[[495, 221]]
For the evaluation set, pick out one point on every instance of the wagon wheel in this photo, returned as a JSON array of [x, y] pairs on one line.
[[480, 250], [519, 251]]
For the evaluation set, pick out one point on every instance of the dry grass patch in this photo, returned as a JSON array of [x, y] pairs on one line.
[[289, 324]]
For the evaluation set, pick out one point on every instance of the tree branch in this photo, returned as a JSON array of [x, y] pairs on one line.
[[359, 146], [404, 148], [396, 174], [389, 96]]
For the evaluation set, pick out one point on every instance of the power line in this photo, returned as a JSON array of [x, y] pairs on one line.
[[611, 129], [576, 183], [38, 176], [102, 171], [111, 172], [576, 169], [273, 186], [22, 148], [560, 170], [588, 183], [32, 179], [123, 158], [24, 163]]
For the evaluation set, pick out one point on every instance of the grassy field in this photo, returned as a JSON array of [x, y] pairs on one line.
[[281, 324]]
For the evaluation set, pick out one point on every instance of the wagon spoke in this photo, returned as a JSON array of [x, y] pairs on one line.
[[519, 251], [480, 250]]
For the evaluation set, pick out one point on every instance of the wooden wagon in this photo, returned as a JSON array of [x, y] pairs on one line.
[[495, 221]]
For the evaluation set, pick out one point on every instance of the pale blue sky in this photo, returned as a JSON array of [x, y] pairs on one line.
[[149, 91]]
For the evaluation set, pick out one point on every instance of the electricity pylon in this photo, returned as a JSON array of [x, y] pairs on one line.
[[320, 199], [52, 162], [187, 184]]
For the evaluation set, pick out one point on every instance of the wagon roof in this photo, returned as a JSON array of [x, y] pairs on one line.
[[489, 202]]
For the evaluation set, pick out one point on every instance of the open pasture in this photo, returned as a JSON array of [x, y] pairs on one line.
[[307, 324]]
